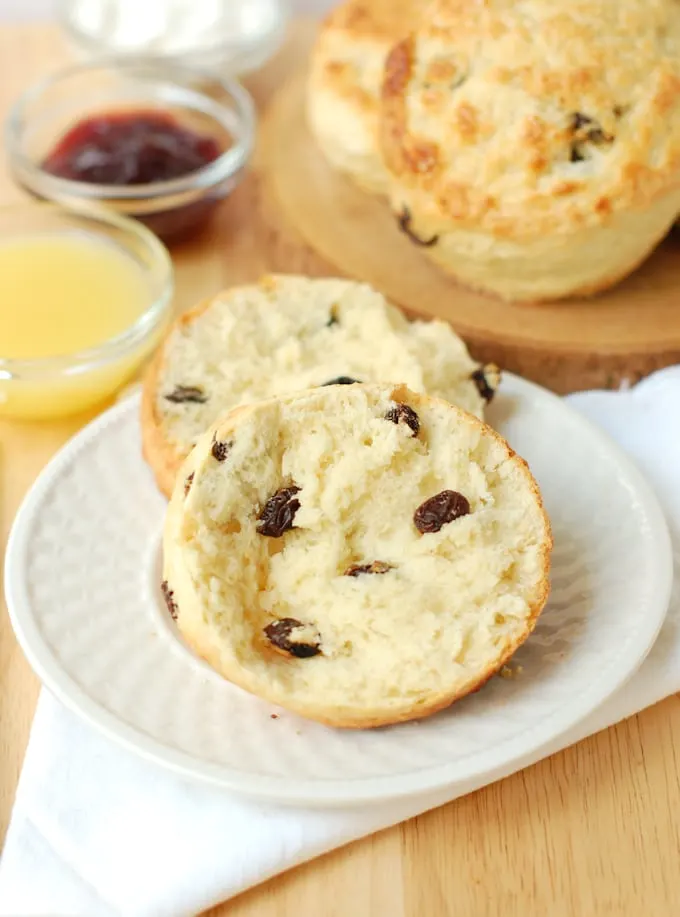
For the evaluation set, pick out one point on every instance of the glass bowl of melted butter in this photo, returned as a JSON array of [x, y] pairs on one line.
[[85, 296]]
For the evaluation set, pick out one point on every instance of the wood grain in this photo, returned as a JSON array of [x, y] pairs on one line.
[[591, 831], [327, 225]]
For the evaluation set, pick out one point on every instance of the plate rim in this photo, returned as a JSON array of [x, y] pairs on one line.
[[319, 791]]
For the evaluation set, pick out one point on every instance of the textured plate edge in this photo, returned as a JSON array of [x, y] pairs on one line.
[[310, 791]]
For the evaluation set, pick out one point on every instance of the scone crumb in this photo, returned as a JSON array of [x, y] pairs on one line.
[[510, 671]]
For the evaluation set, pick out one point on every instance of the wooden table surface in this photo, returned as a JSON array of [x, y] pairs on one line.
[[591, 831]]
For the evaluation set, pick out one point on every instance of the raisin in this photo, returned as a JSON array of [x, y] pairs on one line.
[[579, 120], [402, 413], [487, 379], [188, 483], [281, 634], [341, 380], [184, 393], [278, 512], [169, 597], [438, 510], [598, 136], [220, 450], [585, 125], [404, 220], [378, 566]]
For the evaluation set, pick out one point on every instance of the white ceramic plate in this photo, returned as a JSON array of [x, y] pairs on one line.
[[82, 583]]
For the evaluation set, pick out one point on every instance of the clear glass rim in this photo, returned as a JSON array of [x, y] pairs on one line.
[[115, 347], [92, 45], [227, 164]]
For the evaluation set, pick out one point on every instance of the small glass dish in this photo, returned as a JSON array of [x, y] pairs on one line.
[[205, 104], [68, 382], [230, 37]]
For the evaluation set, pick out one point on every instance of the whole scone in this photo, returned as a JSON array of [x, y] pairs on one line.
[[343, 88], [284, 334], [533, 146], [362, 555]]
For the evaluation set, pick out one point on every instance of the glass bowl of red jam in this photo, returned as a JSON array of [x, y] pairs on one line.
[[154, 140]]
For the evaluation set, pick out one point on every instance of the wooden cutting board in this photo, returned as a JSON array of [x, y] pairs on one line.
[[320, 223]]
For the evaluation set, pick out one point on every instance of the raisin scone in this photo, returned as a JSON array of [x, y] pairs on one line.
[[343, 88], [533, 146], [361, 555], [288, 333]]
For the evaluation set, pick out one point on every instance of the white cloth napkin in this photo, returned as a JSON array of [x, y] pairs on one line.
[[98, 832]]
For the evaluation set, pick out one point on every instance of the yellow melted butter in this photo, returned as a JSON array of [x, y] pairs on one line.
[[61, 294], [65, 292]]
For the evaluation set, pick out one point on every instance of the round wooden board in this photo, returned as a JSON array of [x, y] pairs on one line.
[[319, 223]]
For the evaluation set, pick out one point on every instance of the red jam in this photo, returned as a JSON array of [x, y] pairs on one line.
[[131, 148], [141, 147]]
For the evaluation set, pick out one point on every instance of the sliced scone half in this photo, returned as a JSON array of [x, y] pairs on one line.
[[361, 555], [288, 333]]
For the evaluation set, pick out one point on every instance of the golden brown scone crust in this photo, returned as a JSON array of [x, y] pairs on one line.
[[344, 84], [158, 450], [509, 122]]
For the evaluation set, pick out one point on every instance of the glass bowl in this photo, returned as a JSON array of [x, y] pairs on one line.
[[229, 36], [63, 384], [201, 102]]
